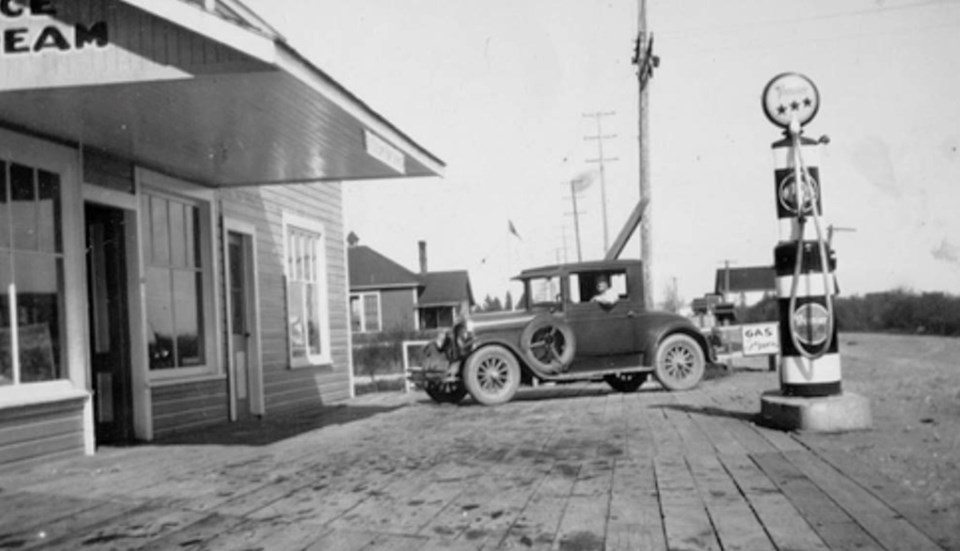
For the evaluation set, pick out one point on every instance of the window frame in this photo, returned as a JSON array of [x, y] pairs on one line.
[[168, 188], [307, 225], [52, 157], [362, 296]]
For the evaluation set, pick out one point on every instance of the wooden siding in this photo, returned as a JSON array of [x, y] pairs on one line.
[[188, 405], [284, 387], [50, 430]]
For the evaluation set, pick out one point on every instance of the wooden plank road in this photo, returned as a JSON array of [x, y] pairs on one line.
[[573, 467]]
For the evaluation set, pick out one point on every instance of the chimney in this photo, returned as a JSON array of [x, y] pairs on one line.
[[423, 256]]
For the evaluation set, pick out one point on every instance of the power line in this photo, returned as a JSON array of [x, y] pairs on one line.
[[769, 23]]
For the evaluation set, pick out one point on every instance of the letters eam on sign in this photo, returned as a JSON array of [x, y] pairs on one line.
[[760, 339]]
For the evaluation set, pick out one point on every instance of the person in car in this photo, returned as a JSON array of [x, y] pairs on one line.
[[606, 295]]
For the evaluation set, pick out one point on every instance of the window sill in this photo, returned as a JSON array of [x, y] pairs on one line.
[[40, 393]]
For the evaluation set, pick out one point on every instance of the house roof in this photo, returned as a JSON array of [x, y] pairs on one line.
[[445, 289], [751, 278], [371, 270]]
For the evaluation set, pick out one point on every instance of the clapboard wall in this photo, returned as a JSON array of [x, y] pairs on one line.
[[287, 388]]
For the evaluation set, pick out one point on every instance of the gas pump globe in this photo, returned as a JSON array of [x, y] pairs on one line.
[[811, 396]]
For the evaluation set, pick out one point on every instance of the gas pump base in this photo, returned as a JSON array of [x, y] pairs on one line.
[[840, 413]]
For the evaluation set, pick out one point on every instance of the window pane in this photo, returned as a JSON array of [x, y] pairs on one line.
[[313, 318], [160, 318], [371, 312], [6, 360], [356, 321], [298, 333], [178, 240], [147, 228], [48, 209], [23, 207], [193, 236], [4, 210], [161, 235], [39, 281], [188, 316]]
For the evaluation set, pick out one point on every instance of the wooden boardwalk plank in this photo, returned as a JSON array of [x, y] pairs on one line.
[[883, 523], [831, 522], [911, 506], [786, 527], [686, 522], [634, 520], [734, 521], [536, 526], [583, 525]]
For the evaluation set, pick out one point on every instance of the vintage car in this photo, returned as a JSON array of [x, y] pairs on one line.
[[563, 333]]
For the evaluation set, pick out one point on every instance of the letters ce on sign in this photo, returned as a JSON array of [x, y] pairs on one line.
[[382, 151], [29, 27], [760, 339]]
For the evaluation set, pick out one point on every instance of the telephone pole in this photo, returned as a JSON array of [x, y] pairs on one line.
[[576, 217], [601, 160], [645, 61]]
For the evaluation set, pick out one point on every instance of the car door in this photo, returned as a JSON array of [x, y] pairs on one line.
[[602, 330]]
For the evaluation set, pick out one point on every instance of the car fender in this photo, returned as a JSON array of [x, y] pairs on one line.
[[653, 327]]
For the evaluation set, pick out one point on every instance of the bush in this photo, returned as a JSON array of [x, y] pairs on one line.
[[897, 311], [377, 354]]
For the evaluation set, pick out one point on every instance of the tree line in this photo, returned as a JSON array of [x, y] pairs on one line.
[[897, 311]]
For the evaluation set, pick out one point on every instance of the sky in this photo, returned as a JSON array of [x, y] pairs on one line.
[[503, 92]]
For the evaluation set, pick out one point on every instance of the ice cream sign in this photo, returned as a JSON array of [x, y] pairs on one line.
[[31, 27]]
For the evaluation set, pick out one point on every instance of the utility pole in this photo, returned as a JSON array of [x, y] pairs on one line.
[[601, 159], [645, 61], [726, 279], [576, 217]]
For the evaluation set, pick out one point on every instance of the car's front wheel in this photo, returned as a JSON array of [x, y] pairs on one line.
[[446, 392], [625, 382], [492, 375], [680, 362]]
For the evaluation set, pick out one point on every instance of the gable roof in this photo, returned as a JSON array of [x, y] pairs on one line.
[[752, 278], [371, 270], [445, 289]]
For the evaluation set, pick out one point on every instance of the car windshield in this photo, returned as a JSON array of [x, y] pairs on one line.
[[544, 291]]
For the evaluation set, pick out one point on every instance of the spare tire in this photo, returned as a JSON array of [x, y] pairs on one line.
[[548, 345]]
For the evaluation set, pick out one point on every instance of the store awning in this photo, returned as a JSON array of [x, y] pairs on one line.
[[188, 92]]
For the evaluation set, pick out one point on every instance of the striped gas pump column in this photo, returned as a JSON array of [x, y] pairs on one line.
[[810, 360]]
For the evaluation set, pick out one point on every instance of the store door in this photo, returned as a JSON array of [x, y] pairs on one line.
[[240, 267], [109, 328]]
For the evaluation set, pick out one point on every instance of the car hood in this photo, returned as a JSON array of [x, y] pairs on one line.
[[491, 321]]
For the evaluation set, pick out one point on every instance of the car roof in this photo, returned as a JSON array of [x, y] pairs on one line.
[[588, 266]]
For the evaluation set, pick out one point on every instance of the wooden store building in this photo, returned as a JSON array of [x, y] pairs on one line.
[[172, 249]]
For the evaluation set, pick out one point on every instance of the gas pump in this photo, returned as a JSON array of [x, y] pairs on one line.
[[811, 395]]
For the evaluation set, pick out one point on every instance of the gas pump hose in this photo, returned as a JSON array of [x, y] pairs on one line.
[[802, 178]]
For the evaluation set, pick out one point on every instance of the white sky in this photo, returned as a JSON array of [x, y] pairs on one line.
[[498, 89]]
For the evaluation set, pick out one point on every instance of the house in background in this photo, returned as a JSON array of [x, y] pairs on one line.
[[172, 250], [745, 286], [385, 296]]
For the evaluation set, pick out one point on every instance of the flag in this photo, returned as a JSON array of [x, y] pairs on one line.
[[582, 181], [513, 229]]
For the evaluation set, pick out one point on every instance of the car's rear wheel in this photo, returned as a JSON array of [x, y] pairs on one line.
[[446, 392], [492, 375], [548, 345], [625, 382], [680, 362]]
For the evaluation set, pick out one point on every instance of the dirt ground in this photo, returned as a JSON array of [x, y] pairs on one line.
[[913, 385]]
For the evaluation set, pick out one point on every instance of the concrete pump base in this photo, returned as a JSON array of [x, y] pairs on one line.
[[844, 412]]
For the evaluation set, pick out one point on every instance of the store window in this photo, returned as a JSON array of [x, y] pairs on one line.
[[307, 310], [32, 309], [365, 312], [175, 282]]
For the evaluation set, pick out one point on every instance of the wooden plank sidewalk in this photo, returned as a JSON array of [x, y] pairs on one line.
[[576, 467]]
